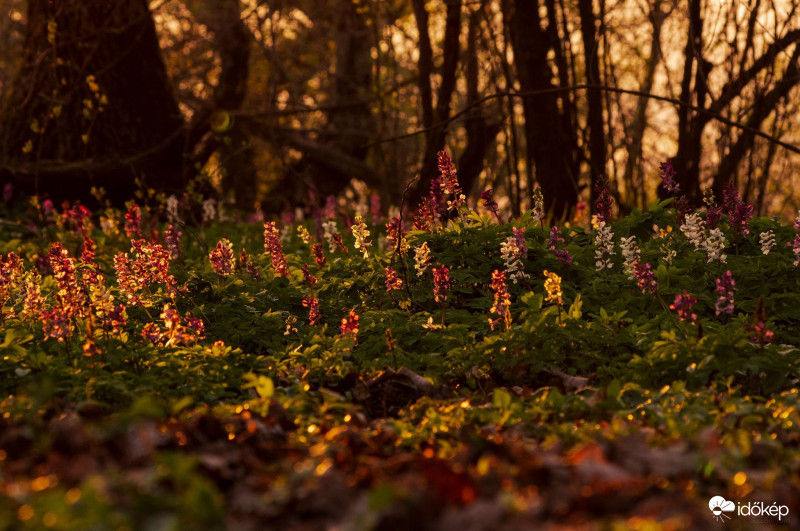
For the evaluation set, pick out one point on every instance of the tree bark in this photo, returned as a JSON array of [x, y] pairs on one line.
[[594, 98], [549, 148], [91, 104]]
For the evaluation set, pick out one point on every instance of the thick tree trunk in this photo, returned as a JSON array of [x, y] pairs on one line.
[[91, 104], [232, 42], [548, 143], [597, 142]]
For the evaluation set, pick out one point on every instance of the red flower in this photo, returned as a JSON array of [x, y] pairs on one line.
[[349, 326]]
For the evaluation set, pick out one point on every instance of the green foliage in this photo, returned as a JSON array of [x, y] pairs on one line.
[[610, 361]]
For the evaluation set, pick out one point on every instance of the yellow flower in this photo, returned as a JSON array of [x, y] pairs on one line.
[[553, 287]]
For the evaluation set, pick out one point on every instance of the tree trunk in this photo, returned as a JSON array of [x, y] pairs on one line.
[[91, 104], [436, 135], [548, 143], [597, 143], [232, 42]]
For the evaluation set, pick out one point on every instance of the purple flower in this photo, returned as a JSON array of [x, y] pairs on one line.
[[726, 287], [645, 278], [554, 239], [683, 305], [668, 181], [604, 201], [519, 240]]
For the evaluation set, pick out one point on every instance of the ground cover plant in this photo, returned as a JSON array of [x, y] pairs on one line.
[[451, 368]]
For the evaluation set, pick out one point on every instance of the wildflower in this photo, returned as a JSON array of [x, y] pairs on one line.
[[449, 182], [90, 348], [502, 300], [304, 235], [330, 230], [133, 221], [537, 211], [246, 264], [172, 238], [692, 228], [80, 217], [668, 181], [767, 240], [519, 240], [360, 233], [109, 224], [796, 249], [349, 326], [32, 302], [392, 280], [552, 242], [71, 297], [209, 209], [488, 202], [173, 204], [291, 320], [273, 246], [713, 212], [630, 254], [740, 212], [763, 335], [665, 249], [682, 208], [645, 278], [604, 247], [422, 258], [395, 241], [87, 257], [375, 208], [552, 286], [55, 324], [221, 257], [581, 209], [441, 283], [150, 266], [604, 201], [714, 244], [683, 305], [308, 278], [512, 257], [726, 287], [319, 256], [425, 217], [176, 333], [330, 207], [312, 303], [337, 240]]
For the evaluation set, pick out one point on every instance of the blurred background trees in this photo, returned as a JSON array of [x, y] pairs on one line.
[[285, 102]]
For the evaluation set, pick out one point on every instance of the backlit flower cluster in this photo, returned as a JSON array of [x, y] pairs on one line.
[[133, 221], [552, 242], [349, 326], [222, 260], [552, 285], [176, 331], [422, 258], [274, 247], [150, 265], [360, 233], [683, 305], [441, 283], [645, 278], [392, 280], [630, 254], [603, 247], [502, 300], [512, 258], [726, 288]]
